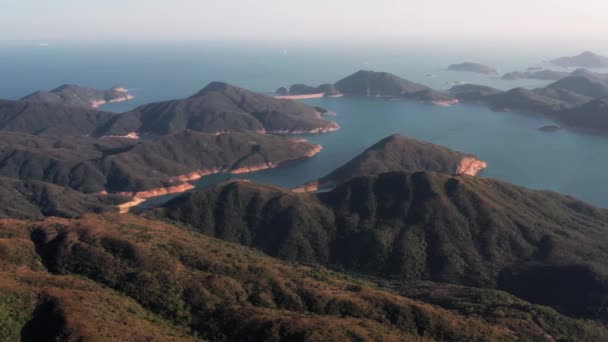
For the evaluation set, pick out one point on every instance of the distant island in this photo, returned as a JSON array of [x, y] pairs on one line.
[[217, 108], [473, 67], [399, 153], [367, 83], [544, 75], [73, 95], [586, 59], [576, 101]]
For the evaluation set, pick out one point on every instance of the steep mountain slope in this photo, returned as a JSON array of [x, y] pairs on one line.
[[142, 168], [383, 84], [525, 100], [583, 83], [43, 118], [592, 116], [122, 277], [76, 96], [422, 226], [34, 200], [219, 107], [400, 153]]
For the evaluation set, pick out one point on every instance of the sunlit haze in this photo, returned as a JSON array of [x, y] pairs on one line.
[[151, 20]]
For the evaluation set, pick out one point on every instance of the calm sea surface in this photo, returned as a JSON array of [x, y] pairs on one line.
[[514, 148]]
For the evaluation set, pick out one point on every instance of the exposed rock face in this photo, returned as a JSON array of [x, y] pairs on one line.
[[219, 107], [422, 226], [584, 60], [76, 96], [303, 91], [382, 84], [399, 153], [473, 67], [470, 166]]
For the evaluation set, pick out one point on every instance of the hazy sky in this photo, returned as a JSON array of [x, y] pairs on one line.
[[42, 20]]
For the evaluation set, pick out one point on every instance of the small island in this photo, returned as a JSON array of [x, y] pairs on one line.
[[473, 67], [367, 83]]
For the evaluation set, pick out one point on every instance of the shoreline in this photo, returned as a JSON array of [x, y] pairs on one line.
[[138, 197], [300, 97], [469, 166], [95, 104]]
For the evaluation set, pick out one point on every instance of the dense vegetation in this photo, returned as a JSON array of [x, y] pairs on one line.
[[47, 118], [34, 199], [126, 165], [76, 96], [396, 153], [127, 278], [219, 107], [383, 84], [541, 246]]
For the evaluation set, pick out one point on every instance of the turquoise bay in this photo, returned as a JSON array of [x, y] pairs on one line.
[[516, 151]]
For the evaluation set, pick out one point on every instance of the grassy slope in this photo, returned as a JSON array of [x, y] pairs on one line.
[[544, 247], [90, 165], [220, 290]]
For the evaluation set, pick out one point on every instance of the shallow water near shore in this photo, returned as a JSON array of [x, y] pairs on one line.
[[516, 151]]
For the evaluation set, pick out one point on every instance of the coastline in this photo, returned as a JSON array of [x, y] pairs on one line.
[[138, 197], [300, 97], [121, 97], [470, 166]]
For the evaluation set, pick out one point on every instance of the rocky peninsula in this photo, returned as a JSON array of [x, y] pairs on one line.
[[399, 153]]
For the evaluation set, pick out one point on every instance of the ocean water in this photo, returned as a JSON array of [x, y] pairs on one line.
[[516, 151]]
